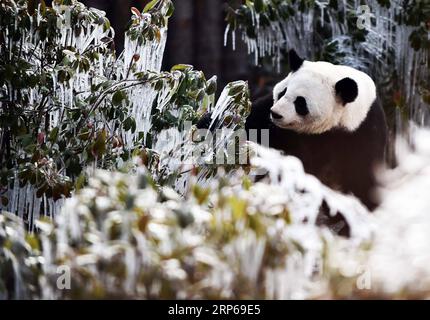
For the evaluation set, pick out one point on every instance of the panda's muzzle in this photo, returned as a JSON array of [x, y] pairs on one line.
[[275, 115]]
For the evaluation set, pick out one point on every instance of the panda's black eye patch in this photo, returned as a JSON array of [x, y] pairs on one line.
[[301, 106], [282, 93]]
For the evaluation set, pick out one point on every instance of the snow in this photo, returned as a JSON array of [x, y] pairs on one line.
[[400, 253]]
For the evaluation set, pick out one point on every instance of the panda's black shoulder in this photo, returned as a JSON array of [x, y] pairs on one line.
[[373, 132], [376, 116], [259, 117]]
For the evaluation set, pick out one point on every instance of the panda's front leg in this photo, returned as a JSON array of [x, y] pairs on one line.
[[259, 118], [258, 122]]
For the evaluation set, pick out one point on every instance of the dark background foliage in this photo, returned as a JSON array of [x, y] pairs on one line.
[[196, 37]]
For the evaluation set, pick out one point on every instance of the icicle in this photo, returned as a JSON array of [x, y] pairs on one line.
[[227, 29]]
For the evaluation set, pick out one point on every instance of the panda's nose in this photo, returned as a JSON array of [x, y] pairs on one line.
[[275, 115]]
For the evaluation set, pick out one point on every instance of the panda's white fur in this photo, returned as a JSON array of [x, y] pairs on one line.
[[316, 81]]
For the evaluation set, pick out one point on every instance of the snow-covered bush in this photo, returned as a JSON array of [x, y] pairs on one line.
[[122, 236], [400, 255], [20, 260], [395, 263]]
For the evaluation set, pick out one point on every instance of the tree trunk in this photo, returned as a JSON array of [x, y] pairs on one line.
[[180, 43], [209, 36]]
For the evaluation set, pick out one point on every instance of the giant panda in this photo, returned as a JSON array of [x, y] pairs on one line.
[[329, 117]]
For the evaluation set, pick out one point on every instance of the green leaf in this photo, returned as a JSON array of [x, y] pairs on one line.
[[158, 85], [54, 134], [201, 194], [235, 90], [259, 5], [170, 10], [80, 182], [99, 146], [106, 25], [129, 124], [118, 97], [211, 85], [150, 5], [238, 207], [42, 7], [182, 67]]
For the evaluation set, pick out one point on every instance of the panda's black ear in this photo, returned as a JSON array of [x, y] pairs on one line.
[[294, 60], [346, 90]]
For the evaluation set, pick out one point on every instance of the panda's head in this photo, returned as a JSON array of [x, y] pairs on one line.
[[319, 96]]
